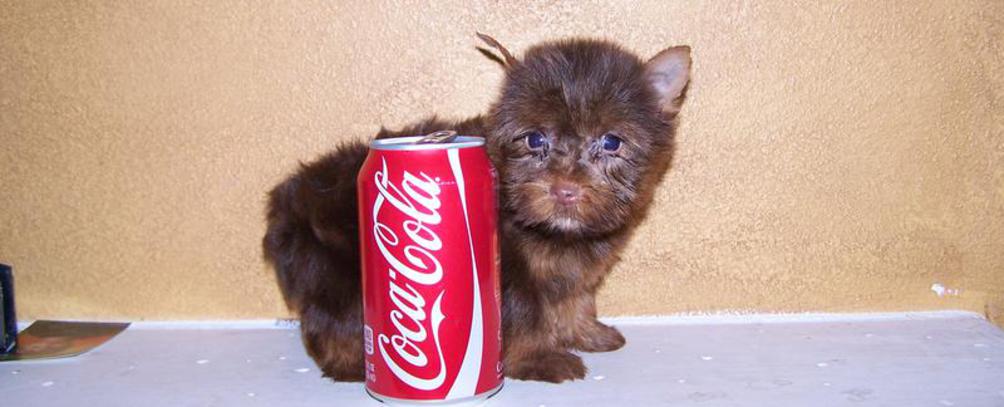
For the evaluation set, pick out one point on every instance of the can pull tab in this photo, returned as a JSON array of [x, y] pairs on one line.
[[439, 137]]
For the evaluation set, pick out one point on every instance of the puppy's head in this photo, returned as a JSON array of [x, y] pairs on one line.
[[577, 129]]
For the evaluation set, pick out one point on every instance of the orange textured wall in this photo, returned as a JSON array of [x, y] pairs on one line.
[[833, 156]]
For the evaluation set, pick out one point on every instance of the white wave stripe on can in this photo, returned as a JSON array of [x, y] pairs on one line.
[[470, 370], [424, 192]]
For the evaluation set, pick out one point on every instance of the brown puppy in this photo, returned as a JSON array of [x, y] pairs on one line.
[[581, 134]]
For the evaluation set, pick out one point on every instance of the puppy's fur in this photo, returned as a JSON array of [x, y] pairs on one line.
[[569, 203]]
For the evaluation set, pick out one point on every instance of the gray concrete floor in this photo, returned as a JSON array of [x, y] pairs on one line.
[[918, 359]]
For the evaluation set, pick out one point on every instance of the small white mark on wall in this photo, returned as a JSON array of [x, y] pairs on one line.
[[15, 372], [599, 377], [706, 357], [938, 289], [302, 370], [822, 364], [202, 361], [250, 394], [946, 403], [282, 358], [48, 384], [979, 345], [942, 291]]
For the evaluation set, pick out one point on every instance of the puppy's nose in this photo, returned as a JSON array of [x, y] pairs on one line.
[[566, 193]]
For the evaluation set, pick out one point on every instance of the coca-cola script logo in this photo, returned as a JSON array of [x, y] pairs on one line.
[[417, 201]]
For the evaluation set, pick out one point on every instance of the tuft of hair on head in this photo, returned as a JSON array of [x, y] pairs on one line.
[[668, 73], [507, 59]]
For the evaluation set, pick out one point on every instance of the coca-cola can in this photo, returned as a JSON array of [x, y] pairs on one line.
[[430, 262]]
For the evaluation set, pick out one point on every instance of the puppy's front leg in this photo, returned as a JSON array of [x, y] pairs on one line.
[[591, 335], [535, 338]]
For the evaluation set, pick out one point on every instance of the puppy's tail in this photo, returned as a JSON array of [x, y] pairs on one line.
[[312, 243]]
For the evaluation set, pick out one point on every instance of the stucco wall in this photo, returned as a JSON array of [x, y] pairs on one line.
[[832, 157]]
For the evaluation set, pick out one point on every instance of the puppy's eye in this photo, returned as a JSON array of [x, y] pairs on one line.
[[535, 140], [611, 142]]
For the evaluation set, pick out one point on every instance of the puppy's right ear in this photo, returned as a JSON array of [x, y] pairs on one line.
[[507, 60]]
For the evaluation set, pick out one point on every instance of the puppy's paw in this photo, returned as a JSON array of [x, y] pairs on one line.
[[547, 366], [598, 337], [339, 359], [343, 373]]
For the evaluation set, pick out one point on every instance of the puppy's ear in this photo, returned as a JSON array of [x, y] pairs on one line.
[[507, 60], [668, 72]]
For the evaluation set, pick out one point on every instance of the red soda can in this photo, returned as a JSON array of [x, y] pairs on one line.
[[430, 261]]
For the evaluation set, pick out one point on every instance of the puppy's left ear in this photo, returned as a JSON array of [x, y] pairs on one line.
[[668, 73]]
